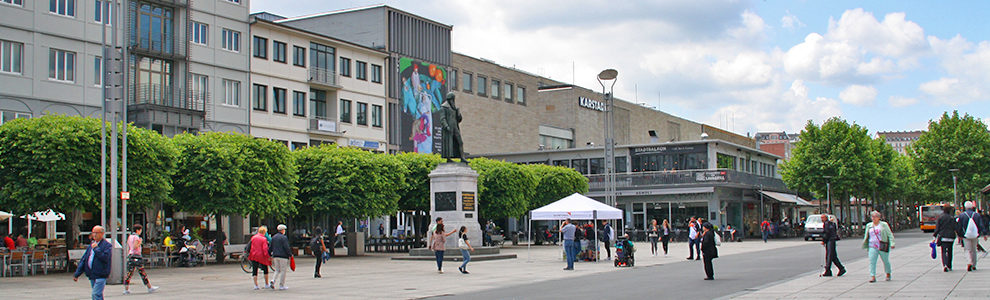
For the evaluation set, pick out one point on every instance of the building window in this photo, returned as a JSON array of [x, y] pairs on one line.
[[496, 88], [97, 70], [154, 82], [234, 1], [198, 35], [299, 103], [98, 12], [154, 28], [62, 7], [453, 79], [231, 40], [482, 85], [345, 111], [508, 92], [321, 58], [278, 51], [61, 65], [231, 92], [376, 73], [7, 116], [14, 2], [521, 95], [361, 68], [318, 103], [468, 81], [362, 113], [11, 56], [345, 66], [278, 100], [299, 56], [200, 88], [260, 47], [376, 116], [260, 101], [552, 142]]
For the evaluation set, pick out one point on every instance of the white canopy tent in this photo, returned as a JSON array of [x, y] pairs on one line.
[[575, 207], [48, 216]]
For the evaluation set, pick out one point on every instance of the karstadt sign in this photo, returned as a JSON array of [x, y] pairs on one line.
[[591, 104]]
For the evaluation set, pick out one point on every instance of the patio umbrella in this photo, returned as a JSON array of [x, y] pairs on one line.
[[4, 215]]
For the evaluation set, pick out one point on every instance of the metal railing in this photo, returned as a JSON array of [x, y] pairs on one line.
[[326, 77], [159, 94], [659, 178]]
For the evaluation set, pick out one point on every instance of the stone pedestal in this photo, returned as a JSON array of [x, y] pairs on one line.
[[454, 197], [355, 243]]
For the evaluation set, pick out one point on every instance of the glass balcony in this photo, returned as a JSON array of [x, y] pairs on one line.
[[687, 177], [323, 77]]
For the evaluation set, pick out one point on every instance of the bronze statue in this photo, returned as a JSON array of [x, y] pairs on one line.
[[450, 116]]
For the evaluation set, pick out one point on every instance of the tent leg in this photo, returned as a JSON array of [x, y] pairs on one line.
[[529, 246]]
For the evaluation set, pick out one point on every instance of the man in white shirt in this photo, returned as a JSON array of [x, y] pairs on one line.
[[693, 241], [340, 235]]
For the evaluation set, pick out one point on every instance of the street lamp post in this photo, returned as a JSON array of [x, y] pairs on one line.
[[955, 196], [828, 192], [603, 76]]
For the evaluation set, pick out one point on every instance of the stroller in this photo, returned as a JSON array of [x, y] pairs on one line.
[[624, 252], [190, 255]]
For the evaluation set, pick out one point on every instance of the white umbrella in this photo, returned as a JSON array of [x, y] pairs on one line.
[[4, 215], [43, 216]]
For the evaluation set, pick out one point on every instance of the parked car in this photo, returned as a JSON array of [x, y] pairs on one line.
[[814, 227]]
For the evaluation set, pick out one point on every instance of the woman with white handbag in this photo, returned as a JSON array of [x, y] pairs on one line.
[[465, 246]]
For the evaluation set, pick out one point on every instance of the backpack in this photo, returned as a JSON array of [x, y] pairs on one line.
[[314, 245], [972, 231]]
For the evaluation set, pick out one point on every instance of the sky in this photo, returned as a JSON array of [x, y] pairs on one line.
[[745, 66]]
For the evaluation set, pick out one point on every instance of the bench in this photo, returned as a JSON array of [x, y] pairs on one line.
[[234, 251]]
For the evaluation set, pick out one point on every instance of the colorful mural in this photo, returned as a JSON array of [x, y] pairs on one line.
[[423, 88]]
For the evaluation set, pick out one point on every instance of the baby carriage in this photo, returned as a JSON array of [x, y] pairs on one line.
[[624, 252]]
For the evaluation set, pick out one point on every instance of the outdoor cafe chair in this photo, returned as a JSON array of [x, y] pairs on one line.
[[38, 258], [16, 261]]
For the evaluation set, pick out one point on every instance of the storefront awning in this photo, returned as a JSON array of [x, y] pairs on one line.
[[787, 198]]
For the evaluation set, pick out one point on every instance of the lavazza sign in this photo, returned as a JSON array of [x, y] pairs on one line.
[[591, 104]]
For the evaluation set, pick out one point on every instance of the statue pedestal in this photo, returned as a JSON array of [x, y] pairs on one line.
[[454, 197]]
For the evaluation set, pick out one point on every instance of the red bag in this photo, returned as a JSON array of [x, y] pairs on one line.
[[292, 263]]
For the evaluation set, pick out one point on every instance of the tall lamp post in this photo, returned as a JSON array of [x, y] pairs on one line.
[[828, 191], [955, 196], [603, 77]]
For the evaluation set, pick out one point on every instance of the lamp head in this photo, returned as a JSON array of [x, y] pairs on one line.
[[609, 74]]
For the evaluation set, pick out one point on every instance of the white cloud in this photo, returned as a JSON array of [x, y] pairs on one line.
[[790, 21], [788, 110], [966, 65], [859, 95], [898, 101]]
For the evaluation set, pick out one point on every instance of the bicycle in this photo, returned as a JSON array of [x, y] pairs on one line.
[[245, 264]]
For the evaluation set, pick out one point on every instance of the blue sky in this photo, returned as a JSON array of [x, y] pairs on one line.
[[745, 66]]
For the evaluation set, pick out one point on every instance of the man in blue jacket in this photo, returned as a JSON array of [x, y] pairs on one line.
[[970, 242], [95, 262]]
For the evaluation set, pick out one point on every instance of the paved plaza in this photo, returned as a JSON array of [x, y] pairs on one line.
[[537, 274]]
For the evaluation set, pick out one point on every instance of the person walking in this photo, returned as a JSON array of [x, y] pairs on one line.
[[945, 235], [765, 229], [257, 250], [829, 237], [135, 261], [665, 235], [318, 247], [568, 230], [465, 246], [438, 241], [281, 253], [709, 249], [339, 235], [606, 237], [969, 229], [95, 262], [878, 240], [654, 235], [694, 240]]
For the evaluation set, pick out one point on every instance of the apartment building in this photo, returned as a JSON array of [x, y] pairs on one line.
[[311, 89]]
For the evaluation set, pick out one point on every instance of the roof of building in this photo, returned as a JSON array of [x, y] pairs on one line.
[[900, 135], [369, 7], [260, 19]]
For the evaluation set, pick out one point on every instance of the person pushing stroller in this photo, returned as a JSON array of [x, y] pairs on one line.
[[624, 252]]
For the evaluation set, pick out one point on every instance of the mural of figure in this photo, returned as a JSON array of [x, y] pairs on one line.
[[422, 88]]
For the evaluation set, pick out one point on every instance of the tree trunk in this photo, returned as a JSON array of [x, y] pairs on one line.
[[75, 220]]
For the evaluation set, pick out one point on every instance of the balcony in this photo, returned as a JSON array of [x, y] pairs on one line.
[[722, 177], [324, 77], [162, 95], [323, 126]]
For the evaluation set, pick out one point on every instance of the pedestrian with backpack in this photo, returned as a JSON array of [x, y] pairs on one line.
[[317, 246], [969, 230]]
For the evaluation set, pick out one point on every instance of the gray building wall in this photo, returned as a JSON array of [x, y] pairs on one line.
[[218, 64]]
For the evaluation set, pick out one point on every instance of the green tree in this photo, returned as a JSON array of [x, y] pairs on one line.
[[416, 195], [952, 142], [349, 182], [837, 149], [554, 183], [231, 173], [504, 188]]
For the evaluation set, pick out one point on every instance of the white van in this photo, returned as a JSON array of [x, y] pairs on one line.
[[814, 227]]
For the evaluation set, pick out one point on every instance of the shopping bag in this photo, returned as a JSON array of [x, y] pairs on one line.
[[292, 263], [932, 244]]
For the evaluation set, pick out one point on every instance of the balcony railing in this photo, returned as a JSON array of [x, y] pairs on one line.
[[162, 95], [323, 125], [324, 77], [686, 177]]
